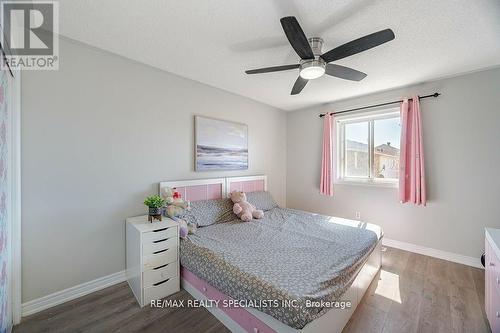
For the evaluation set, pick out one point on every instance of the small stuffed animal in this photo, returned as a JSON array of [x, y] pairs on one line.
[[175, 204], [245, 210], [168, 194], [185, 228], [192, 228]]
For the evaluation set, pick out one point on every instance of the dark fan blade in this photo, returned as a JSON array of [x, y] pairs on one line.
[[358, 45], [272, 69], [344, 72], [296, 37], [300, 83]]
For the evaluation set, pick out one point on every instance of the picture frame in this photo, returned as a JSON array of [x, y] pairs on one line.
[[220, 144]]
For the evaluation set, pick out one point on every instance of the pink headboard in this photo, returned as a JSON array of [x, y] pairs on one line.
[[249, 185], [246, 184], [201, 192], [198, 189], [215, 188]]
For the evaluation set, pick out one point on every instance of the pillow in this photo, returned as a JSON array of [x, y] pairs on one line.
[[208, 212], [261, 200]]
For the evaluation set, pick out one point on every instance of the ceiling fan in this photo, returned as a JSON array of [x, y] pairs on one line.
[[313, 63]]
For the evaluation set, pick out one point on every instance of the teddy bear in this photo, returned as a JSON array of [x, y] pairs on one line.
[[185, 228], [245, 210], [175, 205]]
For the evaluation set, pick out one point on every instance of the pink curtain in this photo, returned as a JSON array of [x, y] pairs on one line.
[[411, 160], [326, 183]]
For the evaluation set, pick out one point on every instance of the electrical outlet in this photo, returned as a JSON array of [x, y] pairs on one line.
[[358, 215]]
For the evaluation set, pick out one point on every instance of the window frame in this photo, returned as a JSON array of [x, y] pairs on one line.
[[370, 117]]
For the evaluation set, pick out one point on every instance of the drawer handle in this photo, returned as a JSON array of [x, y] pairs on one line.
[[160, 267], [492, 264], [162, 282], [498, 280], [161, 251], [160, 240], [158, 230], [498, 314]]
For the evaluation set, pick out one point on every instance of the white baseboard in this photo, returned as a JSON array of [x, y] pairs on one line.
[[454, 257], [69, 294]]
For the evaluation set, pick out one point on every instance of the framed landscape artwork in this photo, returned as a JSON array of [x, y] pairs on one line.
[[220, 145]]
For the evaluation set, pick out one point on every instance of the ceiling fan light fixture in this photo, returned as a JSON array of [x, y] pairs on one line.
[[312, 69], [310, 73]]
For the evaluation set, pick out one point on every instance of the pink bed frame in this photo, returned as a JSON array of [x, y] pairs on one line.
[[250, 320], [242, 317]]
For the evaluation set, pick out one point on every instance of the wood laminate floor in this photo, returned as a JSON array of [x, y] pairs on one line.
[[411, 293], [416, 293]]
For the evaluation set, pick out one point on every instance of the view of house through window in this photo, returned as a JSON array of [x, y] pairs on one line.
[[357, 162], [368, 147], [386, 134]]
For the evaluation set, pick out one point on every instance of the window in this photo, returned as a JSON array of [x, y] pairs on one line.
[[368, 147]]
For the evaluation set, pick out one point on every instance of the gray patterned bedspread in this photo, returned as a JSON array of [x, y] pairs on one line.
[[287, 255]]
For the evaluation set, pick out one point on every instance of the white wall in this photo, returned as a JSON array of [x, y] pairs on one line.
[[97, 137], [462, 157]]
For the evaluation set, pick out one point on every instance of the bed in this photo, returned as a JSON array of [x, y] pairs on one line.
[[291, 271]]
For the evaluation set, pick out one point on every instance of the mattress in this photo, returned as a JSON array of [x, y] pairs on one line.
[[289, 255]]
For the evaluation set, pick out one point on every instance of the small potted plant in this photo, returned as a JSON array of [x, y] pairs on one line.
[[155, 203]]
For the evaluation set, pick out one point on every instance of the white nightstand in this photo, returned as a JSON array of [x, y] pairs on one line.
[[152, 258]]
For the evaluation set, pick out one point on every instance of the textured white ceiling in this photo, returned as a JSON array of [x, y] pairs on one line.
[[214, 41]]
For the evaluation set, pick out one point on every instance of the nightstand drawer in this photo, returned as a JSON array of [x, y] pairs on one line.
[[159, 259], [152, 236], [161, 290], [159, 245], [159, 274]]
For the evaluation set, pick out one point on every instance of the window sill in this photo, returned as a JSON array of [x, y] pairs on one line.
[[368, 183]]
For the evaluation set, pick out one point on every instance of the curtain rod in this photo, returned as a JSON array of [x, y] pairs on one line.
[[436, 94]]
